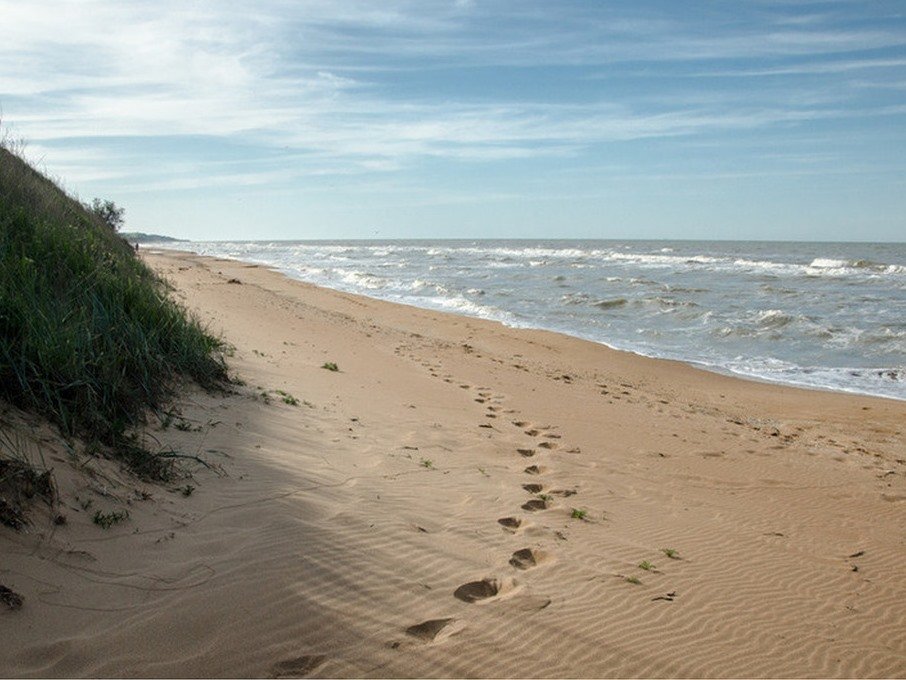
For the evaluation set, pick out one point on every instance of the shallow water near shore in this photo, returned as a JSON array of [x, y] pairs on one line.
[[823, 315]]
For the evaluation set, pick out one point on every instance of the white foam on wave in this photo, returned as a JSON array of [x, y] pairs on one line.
[[363, 279], [773, 318], [827, 263]]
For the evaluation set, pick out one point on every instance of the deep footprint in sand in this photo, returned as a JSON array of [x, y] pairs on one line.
[[434, 630], [535, 504], [526, 453], [526, 559], [510, 522], [298, 667], [534, 470], [476, 591], [547, 445], [533, 488], [486, 589]]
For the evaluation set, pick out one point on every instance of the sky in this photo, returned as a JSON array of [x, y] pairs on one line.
[[328, 119]]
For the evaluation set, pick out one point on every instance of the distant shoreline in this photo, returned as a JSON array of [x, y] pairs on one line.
[[143, 238]]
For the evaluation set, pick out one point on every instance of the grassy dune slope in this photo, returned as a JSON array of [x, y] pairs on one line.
[[88, 336]]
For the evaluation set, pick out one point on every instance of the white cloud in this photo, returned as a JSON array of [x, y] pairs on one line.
[[279, 75]]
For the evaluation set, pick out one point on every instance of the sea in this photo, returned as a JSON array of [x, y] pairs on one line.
[[830, 316]]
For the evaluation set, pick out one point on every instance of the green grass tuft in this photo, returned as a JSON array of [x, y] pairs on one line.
[[105, 520], [330, 366], [287, 398]]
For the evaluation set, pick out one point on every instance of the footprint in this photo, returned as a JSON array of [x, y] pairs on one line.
[[551, 435], [520, 423], [533, 470], [510, 522], [547, 445], [477, 590], [533, 488], [434, 630], [565, 493], [527, 453], [535, 504], [301, 665], [485, 589], [525, 559], [533, 432]]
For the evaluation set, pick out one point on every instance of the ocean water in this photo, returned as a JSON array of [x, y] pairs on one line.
[[824, 315]]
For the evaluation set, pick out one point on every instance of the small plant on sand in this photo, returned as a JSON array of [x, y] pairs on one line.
[[187, 490], [646, 565], [546, 497], [288, 398], [671, 553], [265, 397], [331, 366], [633, 580], [578, 514], [426, 463], [105, 520]]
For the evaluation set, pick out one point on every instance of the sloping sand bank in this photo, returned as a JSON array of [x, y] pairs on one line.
[[464, 499]]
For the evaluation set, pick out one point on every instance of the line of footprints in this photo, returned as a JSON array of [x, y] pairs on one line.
[[491, 589]]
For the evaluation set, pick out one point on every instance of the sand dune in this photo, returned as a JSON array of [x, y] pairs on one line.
[[465, 499]]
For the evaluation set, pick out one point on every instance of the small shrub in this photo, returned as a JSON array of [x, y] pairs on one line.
[[578, 514], [109, 213], [105, 520], [633, 580], [671, 553], [331, 366], [646, 565]]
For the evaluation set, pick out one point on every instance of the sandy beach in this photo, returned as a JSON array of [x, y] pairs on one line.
[[465, 499]]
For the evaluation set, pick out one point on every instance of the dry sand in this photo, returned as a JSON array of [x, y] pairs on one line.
[[414, 517]]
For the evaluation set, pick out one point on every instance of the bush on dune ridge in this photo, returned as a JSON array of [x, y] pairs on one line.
[[88, 336]]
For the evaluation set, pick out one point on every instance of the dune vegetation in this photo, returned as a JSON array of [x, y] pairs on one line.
[[89, 337]]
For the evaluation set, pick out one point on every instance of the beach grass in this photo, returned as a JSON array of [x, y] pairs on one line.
[[89, 337]]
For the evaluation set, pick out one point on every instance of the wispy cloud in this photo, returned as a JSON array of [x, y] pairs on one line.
[[345, 85]]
